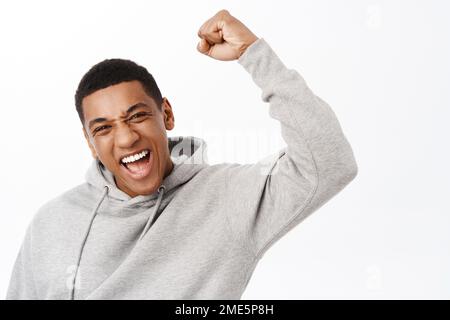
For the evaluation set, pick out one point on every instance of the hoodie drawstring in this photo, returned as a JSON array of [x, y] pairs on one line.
[[150, 220], [105, 191]]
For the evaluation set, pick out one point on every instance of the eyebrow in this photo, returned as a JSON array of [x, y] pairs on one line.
[[129, 110]]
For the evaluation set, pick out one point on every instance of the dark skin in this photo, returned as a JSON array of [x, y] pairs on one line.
[[222, 37], [117, 133]]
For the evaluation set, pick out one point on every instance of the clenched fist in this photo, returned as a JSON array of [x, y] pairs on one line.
[[223, 37]]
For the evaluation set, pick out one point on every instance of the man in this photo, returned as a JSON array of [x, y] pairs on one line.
[[155, 221]]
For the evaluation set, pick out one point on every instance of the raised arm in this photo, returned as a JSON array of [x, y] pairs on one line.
[[266, 200]]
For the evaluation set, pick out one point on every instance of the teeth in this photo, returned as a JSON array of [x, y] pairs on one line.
[[135, 157]]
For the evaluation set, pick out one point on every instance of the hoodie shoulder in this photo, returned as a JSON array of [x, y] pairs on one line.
[[76, 198]]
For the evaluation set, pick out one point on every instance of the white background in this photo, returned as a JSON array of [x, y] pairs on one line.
[[381, 65]]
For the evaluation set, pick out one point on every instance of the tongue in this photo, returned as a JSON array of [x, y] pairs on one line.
[[138, 166]]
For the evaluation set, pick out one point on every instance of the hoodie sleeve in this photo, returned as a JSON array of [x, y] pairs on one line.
[[21, 285], [267, 199]]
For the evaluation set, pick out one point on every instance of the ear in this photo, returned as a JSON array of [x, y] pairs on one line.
[[169, 118], [91, 147]]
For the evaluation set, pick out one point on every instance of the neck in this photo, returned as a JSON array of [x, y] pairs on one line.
[[169, 168]]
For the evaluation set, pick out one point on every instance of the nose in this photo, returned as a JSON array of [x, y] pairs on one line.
[[125, 137]]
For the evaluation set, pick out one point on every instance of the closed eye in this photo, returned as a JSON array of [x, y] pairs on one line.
[[101, 128], [139, 115]]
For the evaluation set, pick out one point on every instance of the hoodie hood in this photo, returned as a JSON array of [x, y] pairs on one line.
[[188, 154], [214, 226], [189, 157]]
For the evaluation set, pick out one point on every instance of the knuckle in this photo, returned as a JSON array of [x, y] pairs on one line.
[[201, 32]]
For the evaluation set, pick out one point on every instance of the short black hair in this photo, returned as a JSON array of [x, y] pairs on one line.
[[114, 71]]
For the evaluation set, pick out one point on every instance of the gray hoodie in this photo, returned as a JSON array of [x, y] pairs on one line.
[[201, 234]]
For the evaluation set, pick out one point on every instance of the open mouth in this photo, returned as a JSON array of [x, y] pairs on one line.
[[138, 165]]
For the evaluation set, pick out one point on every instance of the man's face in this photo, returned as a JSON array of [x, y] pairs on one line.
[[122, 124]]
